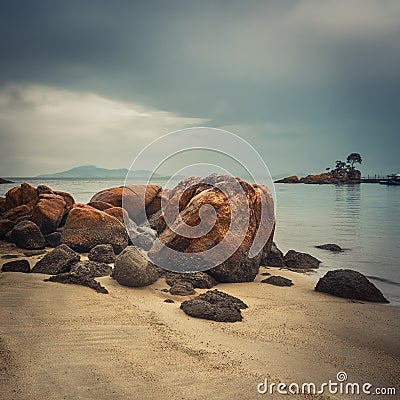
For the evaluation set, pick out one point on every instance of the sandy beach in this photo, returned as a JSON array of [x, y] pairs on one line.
[[69, 342]]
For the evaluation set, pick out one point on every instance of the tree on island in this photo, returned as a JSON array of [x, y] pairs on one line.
[[353, 158]]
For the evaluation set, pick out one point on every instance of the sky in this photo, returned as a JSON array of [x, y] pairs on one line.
[[304, 82]]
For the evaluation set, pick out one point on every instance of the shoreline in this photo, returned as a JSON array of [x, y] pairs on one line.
[[131, 344]]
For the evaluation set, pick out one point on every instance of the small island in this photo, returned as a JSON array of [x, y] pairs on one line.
[[2, 180], [344, 172]]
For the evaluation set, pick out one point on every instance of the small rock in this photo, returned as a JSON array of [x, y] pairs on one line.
[[330, 246], [169, 301], [57, 261], [53, 239], [265, 274], [31, 253], [91, 268], [78, 279], [182, 289], [133, 269], [102, 253], [350, 285], [296, 260], [199, 280], [215, 305], [27, 235], [16, 266], [278, 281]]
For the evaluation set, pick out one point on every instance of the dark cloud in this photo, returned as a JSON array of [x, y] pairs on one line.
[[282, 74]]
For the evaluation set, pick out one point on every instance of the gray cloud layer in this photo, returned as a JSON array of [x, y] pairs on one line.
[[306, 82]]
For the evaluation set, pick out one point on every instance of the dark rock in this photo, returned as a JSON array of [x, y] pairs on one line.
[[87, 227], [133, 269], [351, 285], [165, 290], [2, 180], [48, 212], [17, 212], [27, 235], [265, 274], [30, 253], [215, 305], [330, 246], [57, 261], [16, 266], [182, 289], [278, 281], [154, 220], [78, 279], [9, 256], [43, 189], [103, 253], [273, 257], [169, 301], [5, 226], [199, 280], [91, 268], [53, 239], [296, 260]]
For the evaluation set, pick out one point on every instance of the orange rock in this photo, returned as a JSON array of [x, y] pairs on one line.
[[48, 212], [100, 205], [117, 212], [17, 212], [69, 200]]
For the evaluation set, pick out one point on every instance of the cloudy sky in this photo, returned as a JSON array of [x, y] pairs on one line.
[[305, 82]]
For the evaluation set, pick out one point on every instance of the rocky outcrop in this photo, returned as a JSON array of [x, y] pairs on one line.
[[87, 227], [102, 253], [190, 196], [48, 212], [333, 177], [278, 281], [289, 179], [351, 285], [139, 200], [27, 235], [273, 257], [2, 181], [74, 278], [216, 306], [57, 261], [16, 266], [133, 269], [330, 246], [297, 260], [199, 280]]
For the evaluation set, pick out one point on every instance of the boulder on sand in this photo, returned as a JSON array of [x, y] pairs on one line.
[[297, 260], [91, 268], [102, 253], [27, 235], [57, 261], [87, 227], [350, 285], [133, 269], [74, 278], [48, 212], [278, 281], [193, 194], [182, 289], [138, 199], [199, 280], [216, 306], [273, 257], [16, 266]]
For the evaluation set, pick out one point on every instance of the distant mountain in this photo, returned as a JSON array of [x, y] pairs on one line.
[[91, 171]]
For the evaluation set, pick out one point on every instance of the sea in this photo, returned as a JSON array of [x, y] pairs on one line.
[[363, 219]]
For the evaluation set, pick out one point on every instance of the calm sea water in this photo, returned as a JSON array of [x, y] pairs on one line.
[[363, 219]]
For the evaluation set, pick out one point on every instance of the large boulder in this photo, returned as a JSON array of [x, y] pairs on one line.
[[27, 235], [350, 285], [102, 253], [87, 227], [133, 269], [19, 195], [273, 257], [297, 260], [216, 306], [48, 212], [57, 261], [69, 200], [137, 199], [18, 212], [191, 195]]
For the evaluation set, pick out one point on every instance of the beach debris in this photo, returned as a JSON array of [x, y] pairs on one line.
[[297, 260], [350, 285], [16, 266], [278, 281], [199, 280], [27, 235], [192, 194], [137, 198], [53, 239], [87, 227], [273, 257], [57, 261], [78, 279], [103, 253], [330, 246], [133, 269], [182, 289], [216, 306], [48, 212], [91, 268]]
